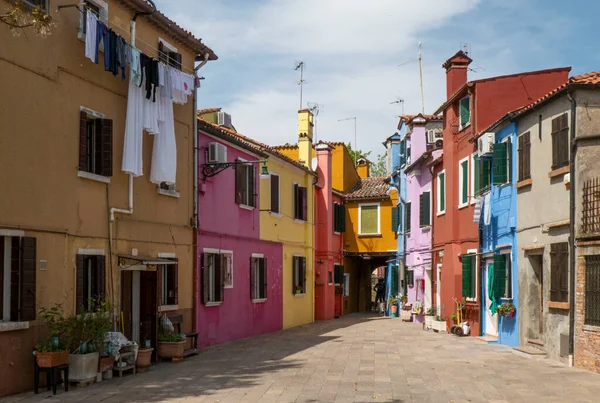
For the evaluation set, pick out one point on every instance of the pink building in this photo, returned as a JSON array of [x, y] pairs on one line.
[[239, 285], [423, 145]]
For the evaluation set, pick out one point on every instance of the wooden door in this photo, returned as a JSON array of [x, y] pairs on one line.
[[148, 309]]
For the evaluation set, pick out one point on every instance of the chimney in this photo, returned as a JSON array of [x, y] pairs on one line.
[[363, 166], [305, 136], [324, 170], [456, 72]]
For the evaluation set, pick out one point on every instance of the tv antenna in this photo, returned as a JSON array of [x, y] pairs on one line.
[[299, 65], [466, 48], [315, 108], [421, 77], [399, 101]]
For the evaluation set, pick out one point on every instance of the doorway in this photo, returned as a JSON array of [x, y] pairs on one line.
[[428, 288], [438, 289], [148, 310], [491, 321], [536, 298]]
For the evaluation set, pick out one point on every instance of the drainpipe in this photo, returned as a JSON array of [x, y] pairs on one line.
[[195, 223], [572, 176]]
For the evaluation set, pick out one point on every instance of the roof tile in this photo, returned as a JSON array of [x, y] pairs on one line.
[[373, 187]]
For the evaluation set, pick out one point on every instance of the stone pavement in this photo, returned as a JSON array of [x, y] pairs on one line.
[[358, 358]]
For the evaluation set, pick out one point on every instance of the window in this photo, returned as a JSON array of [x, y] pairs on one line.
[[338, 274], [258, 277], [95, 143], [299, 277], [425, 209], [167, 54], [330, 278], [403, 152], [396, 211], [339, 218], [560, 141], [91, 281], [227, 258], [441, 193], [559, 272], [168, 284], [275, 193], [481, 176], [168, 189], [346, 284], [408, 155], [407, 218], [368, 219], [463, 182], [469, 276], [213, 277], [409, 278], [17, 278], [300, 206], [502, 276], [524, 156], [245, 179], [465, 112], [502, 155], [42, 4], [592, 290], [98, 7], [394, 284]]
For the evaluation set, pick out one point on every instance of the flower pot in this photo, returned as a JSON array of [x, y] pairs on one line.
[[405, 315], [106, 364], [439, 326], [428, 322], [142, 364], [51, 358], [394, 310], [83, 367], [174, 350]]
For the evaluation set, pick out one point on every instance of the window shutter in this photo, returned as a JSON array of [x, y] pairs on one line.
[[408, 213], [342, 209], [27, 291], [464, 111], [336, 217], [295, 268], [205, 278], [555, 143], [509, 157], [395, 214], [175, 60], [477, 165], [304, 211], [394, 287], [263, 273], [239, 186], [499, 164], [421, 212], [500, 275], [82, 141], [159, 272], [442, 196], [303, 277], [296, 202], [80, 280], [564, 272], [426, 208], [274, 193], [465, 181], [104, 148], [252, 190], [520, 156], [563, 146], [220, 278], [252, 277], [101, 276], [466, 276], [527, 156], [173, 284]]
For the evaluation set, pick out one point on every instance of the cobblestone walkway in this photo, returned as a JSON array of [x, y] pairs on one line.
[[359, 358]]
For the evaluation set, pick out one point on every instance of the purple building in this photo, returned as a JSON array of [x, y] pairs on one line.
[[423, 145]]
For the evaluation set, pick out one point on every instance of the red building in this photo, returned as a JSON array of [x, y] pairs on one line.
[[470, 107]]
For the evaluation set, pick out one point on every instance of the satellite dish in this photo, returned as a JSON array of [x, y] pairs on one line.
[[315, 163]]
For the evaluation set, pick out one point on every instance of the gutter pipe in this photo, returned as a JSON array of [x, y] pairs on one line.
[[572, 273]]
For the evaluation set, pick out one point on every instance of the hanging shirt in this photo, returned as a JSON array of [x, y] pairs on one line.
[[101, 33], [188, 83], [121, 55], [135, 68], [91, 39]]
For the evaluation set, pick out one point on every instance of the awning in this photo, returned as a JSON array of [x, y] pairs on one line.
[[130, 262]]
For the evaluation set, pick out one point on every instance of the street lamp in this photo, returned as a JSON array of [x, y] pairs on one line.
[[210, 170], [355, 145]]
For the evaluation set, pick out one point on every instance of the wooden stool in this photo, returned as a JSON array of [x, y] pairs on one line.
[[51, 376]]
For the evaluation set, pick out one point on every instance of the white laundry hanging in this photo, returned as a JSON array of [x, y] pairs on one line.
[[91, 42], [487, 209], [164, 150], [132, 149]]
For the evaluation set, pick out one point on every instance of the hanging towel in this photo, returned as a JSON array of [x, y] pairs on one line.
[[132, 149], [490, 290], [487, 209], [91, 37], [164, 150]]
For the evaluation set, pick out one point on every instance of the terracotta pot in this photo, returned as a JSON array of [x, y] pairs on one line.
[[394, 309], [144, 357], [174, 350], [51, 358]]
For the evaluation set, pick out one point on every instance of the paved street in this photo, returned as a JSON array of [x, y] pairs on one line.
[[359, 358]]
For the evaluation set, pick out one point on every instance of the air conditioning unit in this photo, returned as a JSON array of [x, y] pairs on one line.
[[439, 143], [217, 153], [485, 143], [433, 135], [224, 119]]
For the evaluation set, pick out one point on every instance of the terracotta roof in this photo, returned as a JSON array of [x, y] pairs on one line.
[[172, 27], [230, 136], [369, 188], [426, 117], [255, 144], [208, 110], [295, 146]]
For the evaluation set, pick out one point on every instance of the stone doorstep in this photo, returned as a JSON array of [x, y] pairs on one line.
[[530, 351]]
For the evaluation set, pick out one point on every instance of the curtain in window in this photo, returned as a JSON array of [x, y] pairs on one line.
[[368, 218]]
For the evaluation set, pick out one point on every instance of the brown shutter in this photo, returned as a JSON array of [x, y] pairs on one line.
[[101, 276], [79, 286], [304, 211], [205, 278], [555, 141], [252, 278], [175, 60], [564, 272], [15, 278], [219, 279], [564, 141], [83, 141], [239, 179], [159, 272], [520, 156], [252, 190], [263, 271], [275, 193], [296, 201], [303, 274], [172, 280], [104, 136], [295, 264], [27, 306], [527, 156]]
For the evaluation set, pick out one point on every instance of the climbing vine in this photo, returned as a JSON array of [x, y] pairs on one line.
[[19, 16]]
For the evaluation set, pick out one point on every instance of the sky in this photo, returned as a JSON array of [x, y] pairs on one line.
[[360, 56]]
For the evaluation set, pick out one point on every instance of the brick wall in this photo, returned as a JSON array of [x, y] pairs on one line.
[[587, 338]]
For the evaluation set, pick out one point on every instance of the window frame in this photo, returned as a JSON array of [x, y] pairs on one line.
[[22, 319], [509, 277], [472, 162], [102, 14], [303, 218], [250, 203], [360, 207], [255, 296], [229, 268], [462, 125], [278, 212], [554, 249], [558, 132], [462, 204], [90, 170], [429, 218], [211, 300], [522, 162], [441, 196], [592, 296], [474, 268], [408, 217], [296, 273]]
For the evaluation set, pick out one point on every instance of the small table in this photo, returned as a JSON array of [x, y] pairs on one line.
[[127, 357], [51, 376]]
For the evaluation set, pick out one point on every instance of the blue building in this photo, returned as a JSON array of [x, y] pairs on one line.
[[495, 176]]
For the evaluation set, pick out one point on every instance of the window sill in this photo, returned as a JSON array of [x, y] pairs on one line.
[[461, 128], [299, 295], [524, 183], [297, 221], [259, 301], [591, 328], [94, 177], [462, 206], [10, 326], [208, 304], [558, 171], [506, 299], [228, 286], [559, 305], [378, 235], [166, 308], [441, 213], [170, 193], [426, 228], [276, 215]]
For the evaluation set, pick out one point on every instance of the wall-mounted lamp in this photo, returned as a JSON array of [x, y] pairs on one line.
[[210, 170]]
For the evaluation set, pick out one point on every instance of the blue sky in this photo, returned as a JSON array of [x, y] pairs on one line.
[[352, 50]]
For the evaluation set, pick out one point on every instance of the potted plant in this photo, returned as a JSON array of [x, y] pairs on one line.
[[87, 332], [429, 315], [144, 356], [393, 303], [53, 349], [454, 318], [439, 324], [506, 309], [171, 345], [298, 290]]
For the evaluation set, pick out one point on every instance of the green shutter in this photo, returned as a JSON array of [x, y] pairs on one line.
[[402, 152], [408, 154], [467, 287], [408, 213], [394, 288], [500, 163], [499, 275], [395, 218], [342, 210], [465, 182], [424, 209], [442, 196], [465, 115]]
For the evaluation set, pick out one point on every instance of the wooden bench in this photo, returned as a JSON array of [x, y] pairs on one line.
[[177, 320]]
